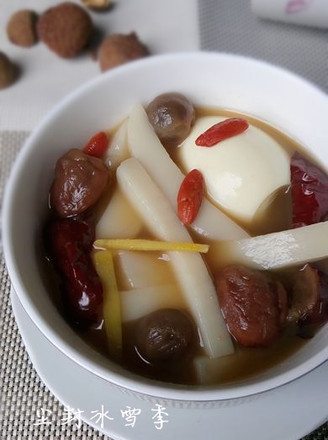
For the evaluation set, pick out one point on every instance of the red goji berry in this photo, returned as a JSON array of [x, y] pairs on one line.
[[97, 145], [190, 196], [221, 131]]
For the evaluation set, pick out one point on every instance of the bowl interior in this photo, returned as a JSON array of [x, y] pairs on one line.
[[218, 80]]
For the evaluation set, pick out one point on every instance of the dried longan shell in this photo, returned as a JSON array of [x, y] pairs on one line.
[[65, 29], [118, 49], [21, 28]]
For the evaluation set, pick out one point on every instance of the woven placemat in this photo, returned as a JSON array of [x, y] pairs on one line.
[[230, 26]]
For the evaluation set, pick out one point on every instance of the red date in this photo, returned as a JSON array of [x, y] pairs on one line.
[[70, 243], [309, 192]]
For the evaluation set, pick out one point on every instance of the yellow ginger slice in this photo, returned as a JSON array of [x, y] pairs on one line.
[[138, 244]]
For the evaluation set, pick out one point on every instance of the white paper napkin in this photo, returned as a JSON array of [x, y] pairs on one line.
[[166, 26]]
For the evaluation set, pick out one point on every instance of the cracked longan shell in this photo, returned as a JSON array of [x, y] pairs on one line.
[[21, 28], [118, 49], [98, 5], [65, 29]]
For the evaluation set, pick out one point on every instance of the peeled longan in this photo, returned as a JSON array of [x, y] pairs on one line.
[[172, 116], [118, 49], [164, 335], [65, 29]]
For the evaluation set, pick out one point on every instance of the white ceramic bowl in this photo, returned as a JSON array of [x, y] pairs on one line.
[[208, 79]]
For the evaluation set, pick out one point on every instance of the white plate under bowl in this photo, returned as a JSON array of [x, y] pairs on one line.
[[286, 413]]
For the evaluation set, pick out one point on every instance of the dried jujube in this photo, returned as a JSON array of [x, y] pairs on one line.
[[69, 243]]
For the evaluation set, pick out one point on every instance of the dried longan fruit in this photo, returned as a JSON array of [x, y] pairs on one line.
[[118, 49], [7, 71], [65, 29], [21, 28]]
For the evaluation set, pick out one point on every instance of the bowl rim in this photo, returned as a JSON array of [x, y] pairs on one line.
[[129, 381]]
